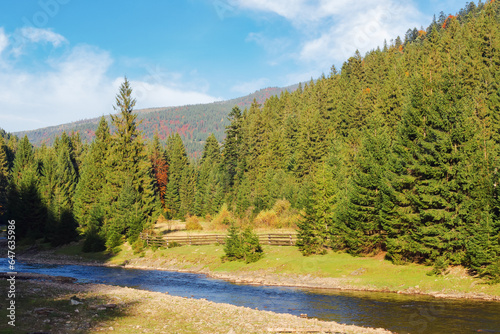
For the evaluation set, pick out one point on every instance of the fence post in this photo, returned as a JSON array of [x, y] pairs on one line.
[[166, 240], [269, 239], [290, 239], [147, 240], [189, 240]]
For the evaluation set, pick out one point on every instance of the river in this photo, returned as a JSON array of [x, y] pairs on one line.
[[399, 313]]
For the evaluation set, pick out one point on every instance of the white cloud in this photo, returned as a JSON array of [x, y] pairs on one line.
[[271, 45], [329, 32], [250, 86], [157, 95], [38, 35], [290, 9], [71, 88], [4, 40], [74, 86], [363, 31]]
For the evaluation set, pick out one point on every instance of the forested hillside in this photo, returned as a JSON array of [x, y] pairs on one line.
[[192, 122], [397, 152]]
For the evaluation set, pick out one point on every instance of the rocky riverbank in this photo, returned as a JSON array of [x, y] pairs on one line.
[[54, 305]]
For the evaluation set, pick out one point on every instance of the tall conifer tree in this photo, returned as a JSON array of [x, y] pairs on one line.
[[4, 179], [89, 191], [177, 157], [127, 165], [365, 225], [25, 204]]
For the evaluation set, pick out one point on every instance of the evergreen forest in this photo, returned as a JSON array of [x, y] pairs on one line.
[[192, 122], [396, 152]]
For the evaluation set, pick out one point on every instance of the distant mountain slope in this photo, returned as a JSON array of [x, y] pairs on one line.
[[193, 122]]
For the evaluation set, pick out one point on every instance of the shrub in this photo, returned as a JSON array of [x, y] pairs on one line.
[[440, 267], [491, 273], [94, 242], [242, 245], [232, 247], [192, 223], [280, 216], [173, 244], [266, 219], [114, 242], [252, 250], [138, 246], [223, 219], [282, 206]]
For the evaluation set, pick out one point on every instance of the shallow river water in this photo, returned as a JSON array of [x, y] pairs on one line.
[[398, 313]]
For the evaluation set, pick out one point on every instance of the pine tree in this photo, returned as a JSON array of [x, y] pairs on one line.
[[433, 148], [324, 222], [127, 162], [78, 148], [58, 181], [208, 183], [242, 245], [89, 191], [314, 230], [159, 163], [179, 164], [24, 201], [232, 145], [66, 175], [187, 189], [365, 225], [4, 180]]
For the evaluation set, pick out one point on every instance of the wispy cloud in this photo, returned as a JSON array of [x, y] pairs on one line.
[[329, 32], [37, 35], [74, 85], [4, 40], [250, 86], [272, 45]]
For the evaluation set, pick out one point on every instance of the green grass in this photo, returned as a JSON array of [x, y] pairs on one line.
[[75, 249]]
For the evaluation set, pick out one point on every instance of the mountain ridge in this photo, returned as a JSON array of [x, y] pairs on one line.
[[193, 122]]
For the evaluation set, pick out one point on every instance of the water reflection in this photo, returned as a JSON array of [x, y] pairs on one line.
[[399, 313]]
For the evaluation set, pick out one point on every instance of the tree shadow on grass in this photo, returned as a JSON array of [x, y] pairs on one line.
[[45, 306]]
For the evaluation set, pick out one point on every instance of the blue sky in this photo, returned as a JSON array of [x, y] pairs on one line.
[[63, 60]]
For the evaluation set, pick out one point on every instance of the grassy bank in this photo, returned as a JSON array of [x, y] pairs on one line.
[[285, 265], [45, 307]]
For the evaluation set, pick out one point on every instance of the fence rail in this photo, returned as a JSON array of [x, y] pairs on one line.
[[272, 239]]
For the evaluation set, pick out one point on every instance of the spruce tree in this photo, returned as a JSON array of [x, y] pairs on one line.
[[431, 189], [232, 145], [66, 175], [187, 189], [314, 229], [4, 179], [89, 191], [159, 164], [24, 200], [366, 232], [178, 174], [208, 183], [324, 199], [127, 162]]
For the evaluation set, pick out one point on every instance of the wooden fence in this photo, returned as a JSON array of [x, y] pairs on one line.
[[273, 239]]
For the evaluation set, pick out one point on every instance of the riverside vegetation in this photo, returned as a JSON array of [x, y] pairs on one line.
[[396, 154]]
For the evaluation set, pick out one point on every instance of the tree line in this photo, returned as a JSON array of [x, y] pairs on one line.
[[397, 152]]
